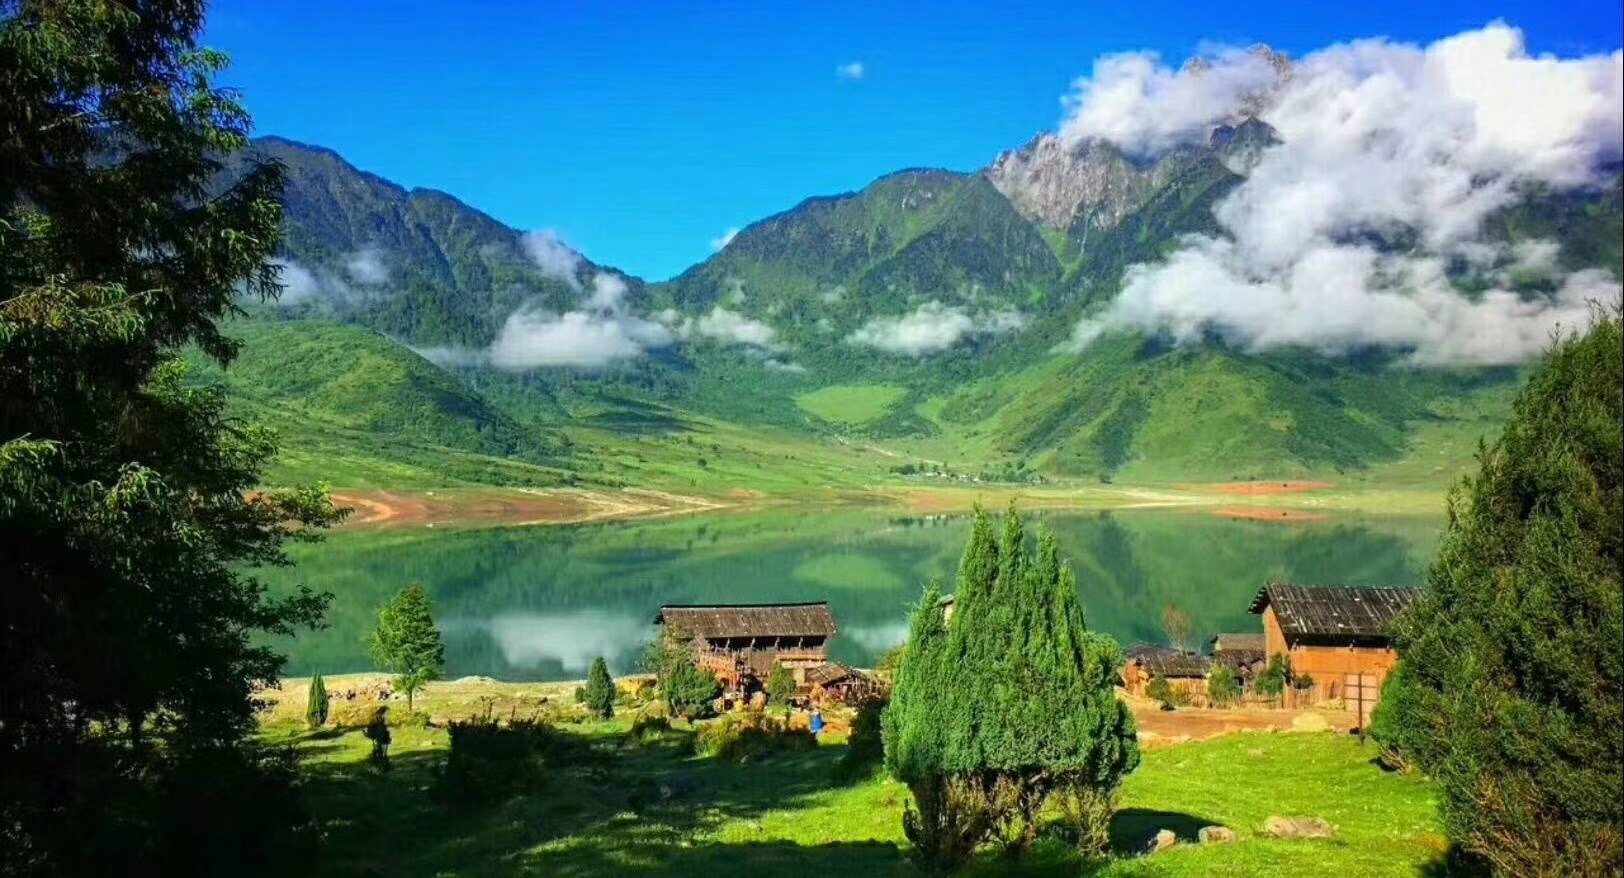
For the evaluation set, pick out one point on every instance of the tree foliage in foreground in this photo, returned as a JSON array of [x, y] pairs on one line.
[[407, 643], [599, 694], [1009, 708], [1512, 660], [130, 523], [780, 685]]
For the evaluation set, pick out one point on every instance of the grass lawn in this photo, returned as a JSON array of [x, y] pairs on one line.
[[851, 405], [788, 816]]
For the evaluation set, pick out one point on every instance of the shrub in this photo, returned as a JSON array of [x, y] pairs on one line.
[[690, 691], [489, 761], [1302, 682], [316, 703], [599, 696], [753, 735], [1222, 686], [1273, 679], [1513, 650], [781, 685], [865, 747], [1404, 743], [1160, 690]]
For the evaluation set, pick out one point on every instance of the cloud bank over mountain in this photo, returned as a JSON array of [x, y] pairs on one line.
[[1362, 226], [933, 327]]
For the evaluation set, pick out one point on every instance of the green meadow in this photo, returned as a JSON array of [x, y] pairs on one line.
[[787, 815]]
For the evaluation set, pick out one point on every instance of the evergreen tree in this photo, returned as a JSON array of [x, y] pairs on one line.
[[781, 685], [599, 695], [316, 703], [407, 643], [689, 690], [131, 512], [1011, 704], [1223, 688], [1515, 653]]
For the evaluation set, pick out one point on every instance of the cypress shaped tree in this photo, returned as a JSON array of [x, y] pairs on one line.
[[600, 689], [1514, 656], [316, 703]]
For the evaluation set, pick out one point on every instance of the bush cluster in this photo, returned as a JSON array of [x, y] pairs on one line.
[[751, 735], [491, 760]]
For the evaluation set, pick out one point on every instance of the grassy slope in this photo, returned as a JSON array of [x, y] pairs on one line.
[[851, 404], [786, 816]]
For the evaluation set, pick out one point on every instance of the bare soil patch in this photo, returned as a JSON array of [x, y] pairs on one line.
[[518, 506], [1260, 488]]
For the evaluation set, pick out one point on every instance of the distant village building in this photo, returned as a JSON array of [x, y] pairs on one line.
[[740, 643], [1339, 635], [1245, 654], [1185, 671]]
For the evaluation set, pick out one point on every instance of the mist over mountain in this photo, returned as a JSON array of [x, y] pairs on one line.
[[1247, 264]]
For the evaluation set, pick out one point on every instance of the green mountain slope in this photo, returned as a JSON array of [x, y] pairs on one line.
[[345, 392], [974, 248]]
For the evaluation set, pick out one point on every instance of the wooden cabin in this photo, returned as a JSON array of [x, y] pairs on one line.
[[1185, 671], [1337, 634], [1245, 654], [740, 643]]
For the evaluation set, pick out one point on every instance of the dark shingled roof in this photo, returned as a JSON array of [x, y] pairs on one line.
[[832, 672], [1334, 613], [1163, 661], [749, 620]]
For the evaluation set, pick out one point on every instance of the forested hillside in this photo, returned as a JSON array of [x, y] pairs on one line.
[[930, 312]]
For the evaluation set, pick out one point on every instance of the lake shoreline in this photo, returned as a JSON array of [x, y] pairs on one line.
[[1283, 500]]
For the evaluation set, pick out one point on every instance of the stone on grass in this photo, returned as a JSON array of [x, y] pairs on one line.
[[1215, 835], [1297, 827], [1161, 841], [676, 785]]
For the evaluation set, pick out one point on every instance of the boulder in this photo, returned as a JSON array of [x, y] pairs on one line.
[[677, 785], [1161, 841], [1297, 827], [1215, 835]]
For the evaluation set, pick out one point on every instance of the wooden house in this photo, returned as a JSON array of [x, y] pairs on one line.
[[1245, 654], [1185, 671], [740, 643], [1339, 635]]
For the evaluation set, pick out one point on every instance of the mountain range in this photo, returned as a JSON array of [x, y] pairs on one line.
[[925, 317]]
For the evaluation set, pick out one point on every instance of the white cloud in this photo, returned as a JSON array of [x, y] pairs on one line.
[[555, 258], [603, 332], [367, 266], [538, 339], [933, 327], [850, 70], [299, 284], [1142, 106], [722, 325], [1377, 139], [725, 238]]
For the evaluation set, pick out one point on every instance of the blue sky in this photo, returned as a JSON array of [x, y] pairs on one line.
[[641, 132]]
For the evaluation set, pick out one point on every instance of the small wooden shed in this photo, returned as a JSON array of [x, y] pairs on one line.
[[1340, 635], [1184, 671], [1245, 654]]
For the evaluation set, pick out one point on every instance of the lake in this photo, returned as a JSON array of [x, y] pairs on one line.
[[539, 603]]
